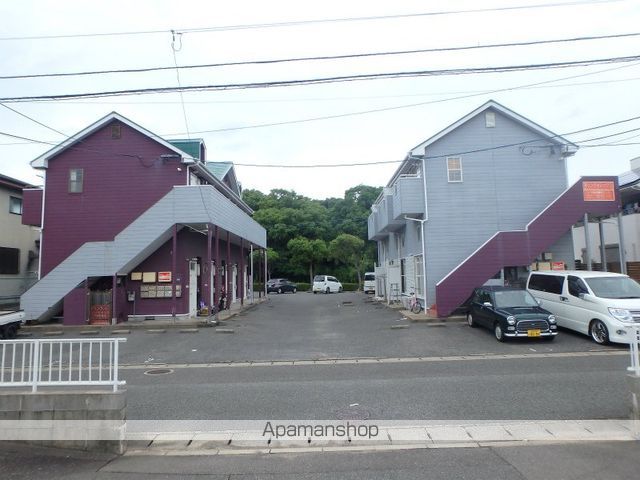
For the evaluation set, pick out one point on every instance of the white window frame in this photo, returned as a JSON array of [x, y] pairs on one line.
[[15, 205], [76, 180], [452, 170]]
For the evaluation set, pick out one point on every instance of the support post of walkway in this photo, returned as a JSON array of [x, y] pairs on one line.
[[251, 270], [623, 254], [227, 281], [216, 290], [265, 272], [209, 268], [241, 276], [603, 246], [114, 296], [174, 267], [587, 240]]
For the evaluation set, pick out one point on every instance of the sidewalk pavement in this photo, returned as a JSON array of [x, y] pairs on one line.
[[126, 327]]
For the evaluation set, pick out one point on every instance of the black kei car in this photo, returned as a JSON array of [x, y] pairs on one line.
[[510, 312], [281, 285]]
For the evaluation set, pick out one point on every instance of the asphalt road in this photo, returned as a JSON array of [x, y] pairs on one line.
[[304, 326], [592, 461]]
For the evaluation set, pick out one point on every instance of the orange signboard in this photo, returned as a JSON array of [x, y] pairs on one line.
[[598, 191], [557, 266], [164, 276]]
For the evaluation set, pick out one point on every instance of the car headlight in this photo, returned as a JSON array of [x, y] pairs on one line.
[[511, 320], [552, 319], [621, 314]]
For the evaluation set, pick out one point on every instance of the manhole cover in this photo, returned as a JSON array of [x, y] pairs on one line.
[[158, 371], [353, 413]]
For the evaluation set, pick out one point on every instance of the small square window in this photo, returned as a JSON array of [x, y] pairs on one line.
[[15, 205], [454, 169], [76, 177]]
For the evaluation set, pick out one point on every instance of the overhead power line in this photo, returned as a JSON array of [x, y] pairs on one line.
[[296, 23], [466, 152], [326, 80], [318, 58]]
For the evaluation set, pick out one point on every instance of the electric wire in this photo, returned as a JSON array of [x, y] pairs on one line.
[[316, 58], [384, 162], [327, 80], [310, 22]]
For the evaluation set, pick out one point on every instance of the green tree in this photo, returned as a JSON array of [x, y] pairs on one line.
[[307, 252], [349, 250]]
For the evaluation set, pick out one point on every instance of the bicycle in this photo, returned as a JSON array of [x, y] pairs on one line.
[[414, 304]]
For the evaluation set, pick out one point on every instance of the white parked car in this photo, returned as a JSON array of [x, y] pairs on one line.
[[369, 282], [326, 284], [601, 304]]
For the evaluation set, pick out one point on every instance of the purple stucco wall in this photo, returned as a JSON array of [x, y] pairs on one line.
[[32, 207], [122, 178], [190, 245], [521, 248]]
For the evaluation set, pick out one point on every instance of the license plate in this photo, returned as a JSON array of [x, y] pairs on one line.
[[533, 333]]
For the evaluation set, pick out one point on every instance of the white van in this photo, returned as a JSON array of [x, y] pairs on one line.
[[326, 284], [600, 304], [369, 282]]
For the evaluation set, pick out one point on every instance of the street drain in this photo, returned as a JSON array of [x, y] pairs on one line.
[[353, 413], [159, 371]]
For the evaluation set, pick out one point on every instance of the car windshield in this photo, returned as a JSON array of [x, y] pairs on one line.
[[614, 287], [369, 277], [318, 278], [514, 298]]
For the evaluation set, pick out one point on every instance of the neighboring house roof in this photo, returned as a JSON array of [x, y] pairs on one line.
[[190, 147], [628, 179], [42, 161], [568, 147], [13, 183], [219, 169]]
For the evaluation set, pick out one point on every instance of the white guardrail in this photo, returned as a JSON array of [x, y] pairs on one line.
[[634, 347], [60, 362]]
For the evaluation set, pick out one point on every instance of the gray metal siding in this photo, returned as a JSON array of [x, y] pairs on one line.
[[502, 189], [408, 197], [184, 204]]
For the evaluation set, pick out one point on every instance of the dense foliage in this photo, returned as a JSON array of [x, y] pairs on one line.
[[308, 237]]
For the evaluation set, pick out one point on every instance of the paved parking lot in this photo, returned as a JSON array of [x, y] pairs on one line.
[[304, 326]]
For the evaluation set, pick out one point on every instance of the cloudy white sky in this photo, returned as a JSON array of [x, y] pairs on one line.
[[573, 99]]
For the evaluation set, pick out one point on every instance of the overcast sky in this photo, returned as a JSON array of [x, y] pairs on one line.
[[588, 96]]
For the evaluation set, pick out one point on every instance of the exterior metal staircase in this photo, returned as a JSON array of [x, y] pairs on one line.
[[521, 247], [199, 204]]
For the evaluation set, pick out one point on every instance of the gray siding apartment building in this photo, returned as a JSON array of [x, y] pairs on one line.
[[482, 199]]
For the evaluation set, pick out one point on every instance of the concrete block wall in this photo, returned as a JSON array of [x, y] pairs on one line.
[[87, 420]]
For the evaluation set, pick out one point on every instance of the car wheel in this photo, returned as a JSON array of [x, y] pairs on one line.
[[599, 332], [314, 292], [471, 321], [340, 290], [497, 331], [294, 290], [328, 290], [10, 331]]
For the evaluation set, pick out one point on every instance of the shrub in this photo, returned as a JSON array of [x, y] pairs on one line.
[[303, 287], [350, 287]]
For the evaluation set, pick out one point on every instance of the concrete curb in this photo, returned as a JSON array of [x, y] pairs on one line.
[[402, 437]]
